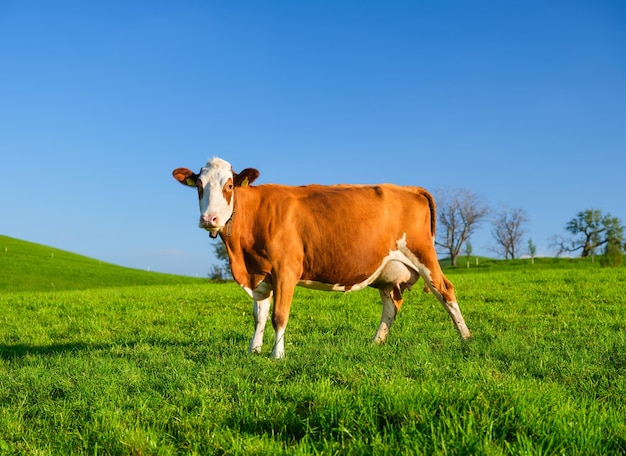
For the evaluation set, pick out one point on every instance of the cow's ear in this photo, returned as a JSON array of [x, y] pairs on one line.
[[246, 177], [185, 176]]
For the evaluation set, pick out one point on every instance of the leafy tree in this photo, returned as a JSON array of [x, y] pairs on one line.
[[591, 230], [220, 271], [508, 231], [220, 251], [459, 213]]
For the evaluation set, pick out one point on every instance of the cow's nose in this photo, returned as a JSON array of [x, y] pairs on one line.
[[209, 221]]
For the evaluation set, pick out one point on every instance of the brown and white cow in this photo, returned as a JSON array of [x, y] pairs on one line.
[[342, 238]]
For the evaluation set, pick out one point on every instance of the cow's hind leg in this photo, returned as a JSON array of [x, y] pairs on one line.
[[443, 289], [392, 300], [283, 294]]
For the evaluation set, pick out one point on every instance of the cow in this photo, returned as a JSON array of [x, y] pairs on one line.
[[338, 237]]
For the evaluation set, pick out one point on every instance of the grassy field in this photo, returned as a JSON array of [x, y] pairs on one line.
[[161, 368]]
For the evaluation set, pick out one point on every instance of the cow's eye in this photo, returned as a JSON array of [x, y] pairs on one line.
[[200, 190]]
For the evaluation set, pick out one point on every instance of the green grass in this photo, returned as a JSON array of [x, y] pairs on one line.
[[163, 369]]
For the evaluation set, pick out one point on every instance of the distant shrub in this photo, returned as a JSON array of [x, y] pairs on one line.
[[613, 255]]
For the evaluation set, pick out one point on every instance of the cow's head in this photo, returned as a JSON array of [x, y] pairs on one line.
[[216, 184]]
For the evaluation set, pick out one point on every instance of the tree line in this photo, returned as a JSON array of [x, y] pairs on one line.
[[460, 212]]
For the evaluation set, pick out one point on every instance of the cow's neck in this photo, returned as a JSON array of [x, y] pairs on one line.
[[237, 237], [232, 230]]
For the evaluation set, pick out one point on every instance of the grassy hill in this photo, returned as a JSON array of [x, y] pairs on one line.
[[26, 266]]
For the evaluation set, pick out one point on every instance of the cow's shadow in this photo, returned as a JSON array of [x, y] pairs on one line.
[[16, 351], [19, 351]]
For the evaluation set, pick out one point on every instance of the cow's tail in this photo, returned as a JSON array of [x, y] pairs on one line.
[[433, 212]]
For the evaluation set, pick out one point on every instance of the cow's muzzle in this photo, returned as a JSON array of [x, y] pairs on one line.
[[210, 222]]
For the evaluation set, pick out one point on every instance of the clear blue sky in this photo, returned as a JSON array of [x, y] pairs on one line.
[[523, 102]]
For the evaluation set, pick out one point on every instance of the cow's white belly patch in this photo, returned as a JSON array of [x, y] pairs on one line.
[[387, 272]]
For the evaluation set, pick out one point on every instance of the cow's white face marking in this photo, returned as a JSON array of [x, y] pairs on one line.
[[215, 194]]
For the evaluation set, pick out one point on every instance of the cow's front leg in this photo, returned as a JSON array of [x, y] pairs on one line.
[[283, 294], [260, 311]]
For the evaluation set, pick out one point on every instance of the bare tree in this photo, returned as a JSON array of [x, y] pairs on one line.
[[508, 231], [459, 213]]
